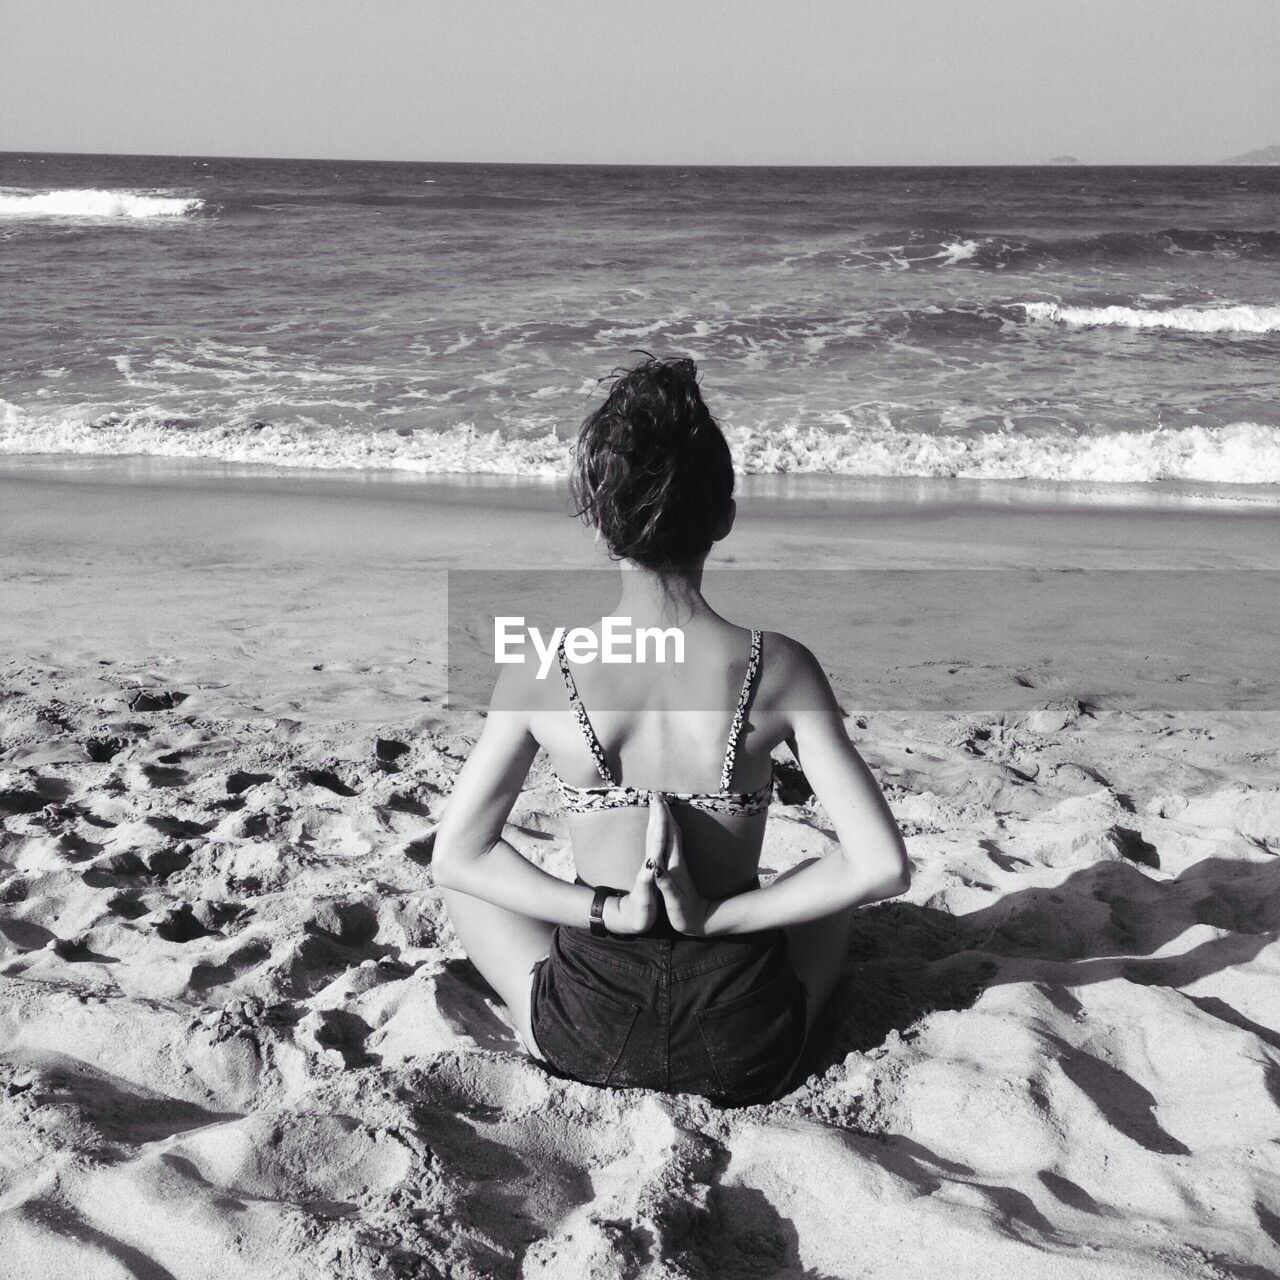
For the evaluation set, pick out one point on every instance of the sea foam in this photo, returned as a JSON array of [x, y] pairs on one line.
[[1233, 319], [1236, 453], [91, 203]]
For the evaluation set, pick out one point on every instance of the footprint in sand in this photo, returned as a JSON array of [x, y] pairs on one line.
[[16, 801], [329, 781], [15, 889], [183, 828], [77, 950], [155, 699], [75, 848], [161, 776], [298, 1157], [181, 924], [168, 861], [420, 851], [389, 751], [119, 1110], [340, 1032], [220, 973], [1073, 771], [400, 802], [107, 870], [241, 781], [128, 906], [1132, 845], [218, 914], [352, 923]]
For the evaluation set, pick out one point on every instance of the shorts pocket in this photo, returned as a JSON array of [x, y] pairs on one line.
[[581, 1030], [754, 1038]]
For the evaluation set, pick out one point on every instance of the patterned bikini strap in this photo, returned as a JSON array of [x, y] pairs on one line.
[[575, 702], [740, 713]]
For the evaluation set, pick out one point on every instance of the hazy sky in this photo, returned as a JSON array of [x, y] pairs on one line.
[[645, 81]]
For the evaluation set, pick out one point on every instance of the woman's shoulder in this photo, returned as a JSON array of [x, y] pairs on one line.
[[787, 653], [790, 672], [528, 685], [780, 647]]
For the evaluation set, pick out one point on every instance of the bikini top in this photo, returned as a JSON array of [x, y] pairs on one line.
[[613, 796]]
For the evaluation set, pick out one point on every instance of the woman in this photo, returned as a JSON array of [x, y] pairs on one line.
[[665, 965]]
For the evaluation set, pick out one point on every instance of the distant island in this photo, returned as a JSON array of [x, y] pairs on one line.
[[1064, 160], [1264, 155]]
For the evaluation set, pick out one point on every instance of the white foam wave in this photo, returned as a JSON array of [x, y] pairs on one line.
[[458, 450], [958, 251], [1236, 319], [89, 203], [1238, 453]]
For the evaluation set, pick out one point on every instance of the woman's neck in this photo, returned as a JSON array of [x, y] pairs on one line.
[[669, 596]]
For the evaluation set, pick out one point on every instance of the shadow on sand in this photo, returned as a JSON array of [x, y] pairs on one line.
[[1107, 920]]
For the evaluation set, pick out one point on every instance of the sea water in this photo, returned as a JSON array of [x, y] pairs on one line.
[[1113, 325]]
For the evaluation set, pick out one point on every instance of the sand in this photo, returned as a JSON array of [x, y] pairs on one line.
[[237, 1035]]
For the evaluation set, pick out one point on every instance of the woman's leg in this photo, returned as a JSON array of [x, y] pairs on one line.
[[504, 946], [818, 949]]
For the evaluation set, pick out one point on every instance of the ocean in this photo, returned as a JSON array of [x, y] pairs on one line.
[[1108, 325]]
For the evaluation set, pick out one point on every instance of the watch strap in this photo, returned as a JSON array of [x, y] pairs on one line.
[[598, 929]]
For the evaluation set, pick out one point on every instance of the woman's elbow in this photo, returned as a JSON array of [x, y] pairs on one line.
[[893, 872], [443, 863], [874, 878], [897, 882], [448, 859], [443, 871], [456, 856]]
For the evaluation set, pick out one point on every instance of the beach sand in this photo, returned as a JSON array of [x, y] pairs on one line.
[[237, 1035]]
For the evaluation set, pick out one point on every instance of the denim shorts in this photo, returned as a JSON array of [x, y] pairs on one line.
[[723, 1017]]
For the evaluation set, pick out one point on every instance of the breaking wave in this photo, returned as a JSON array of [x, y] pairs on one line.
[[1236, 453], [1235, 319], [934, 247], [91, 203]]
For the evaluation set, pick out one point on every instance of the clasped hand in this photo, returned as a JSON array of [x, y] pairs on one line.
[[663, 872]]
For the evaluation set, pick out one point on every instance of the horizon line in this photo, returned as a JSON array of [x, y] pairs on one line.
[[663, 164]]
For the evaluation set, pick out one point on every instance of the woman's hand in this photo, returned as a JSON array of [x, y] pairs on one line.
[[635, 911], [686, 907]]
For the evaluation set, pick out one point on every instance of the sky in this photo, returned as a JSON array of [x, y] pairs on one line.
[[645, 81]]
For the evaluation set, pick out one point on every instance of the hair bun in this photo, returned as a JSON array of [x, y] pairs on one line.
[[652, 469]]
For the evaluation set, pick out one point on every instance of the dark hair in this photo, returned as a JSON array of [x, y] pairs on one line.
[[652, 470]]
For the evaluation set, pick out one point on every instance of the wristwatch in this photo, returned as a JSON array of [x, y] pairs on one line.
[[597, 910]]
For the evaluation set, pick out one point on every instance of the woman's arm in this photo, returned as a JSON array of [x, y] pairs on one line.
[[470, 855], [872, 860]]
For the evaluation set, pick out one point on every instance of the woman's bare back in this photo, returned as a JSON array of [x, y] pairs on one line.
[[663, 727]]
